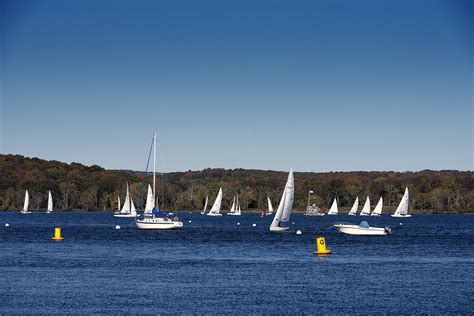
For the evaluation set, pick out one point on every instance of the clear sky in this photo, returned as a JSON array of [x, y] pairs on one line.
[[313, 85]]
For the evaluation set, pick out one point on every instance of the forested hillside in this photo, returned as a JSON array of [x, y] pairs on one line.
[[78, 187]]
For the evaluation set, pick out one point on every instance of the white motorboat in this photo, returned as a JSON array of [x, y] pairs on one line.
[[50, 203], [363, 229], [128, 209], [153, 219], [333, 210], [366, 208], [354, 208], [26, 203], [402, 209], [378, 208], [285, 207], [216, 207]]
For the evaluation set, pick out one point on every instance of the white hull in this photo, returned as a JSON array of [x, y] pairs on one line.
[[124, 215], [158, 224], [332, 214], [214, 214], [232, 214], [364, 214], [25, 212], [352, 214], [314, 214], [399, 215], [361, 231], [278, 229], [375, 215]]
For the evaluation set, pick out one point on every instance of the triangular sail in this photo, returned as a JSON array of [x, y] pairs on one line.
[[216, 207], [286, 203], [232, 209], [133, 210], [205, 204], [50, 202], [149, 201], [378, 208], [118, 200], [126, 204], [354, 208], [237, 211], [402, 208], [270, 207], [26, 202], [366, 208], [333, 210]]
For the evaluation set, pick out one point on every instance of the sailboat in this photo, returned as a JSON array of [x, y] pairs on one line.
[[354, 208], [402, 209], [50, 203], [205, 205], [285, 207], [333, 210], [118, 199], [235, 209], [378, 208], [366, 208], [153, 219], [25, 204], [128, 209], [270, 207], [216, 207]]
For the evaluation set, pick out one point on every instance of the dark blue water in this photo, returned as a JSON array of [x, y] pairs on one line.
[[213, 266]]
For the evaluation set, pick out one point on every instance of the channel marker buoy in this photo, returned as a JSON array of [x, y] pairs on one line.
[[57, 234], [321, 247]]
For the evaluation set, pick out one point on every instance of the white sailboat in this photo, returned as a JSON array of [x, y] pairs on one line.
[[205, 205], [50, 203], [333, 210], [378, 208], [25, 204], [153, 219], [118, 199], [216, 207], [402, 209], [235, 209], [128, 209], [285, 207], [354, 208], [366, 208], [270, 206]]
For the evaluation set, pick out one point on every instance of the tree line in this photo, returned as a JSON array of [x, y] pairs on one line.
[[78, 187]]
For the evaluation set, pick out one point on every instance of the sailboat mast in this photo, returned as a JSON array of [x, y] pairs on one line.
[[154, 166]]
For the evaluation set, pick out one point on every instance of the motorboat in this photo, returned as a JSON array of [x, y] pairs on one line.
[[363, 229]]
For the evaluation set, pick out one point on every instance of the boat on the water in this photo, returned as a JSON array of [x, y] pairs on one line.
[[205, 205], [216, 207], [285, 207], [128, 209], [363, 229], [50, 203], [235, 209], [333, 210], [366, 208], [402, 209], [26, 203], [354, 207], [153, 219], [378, 208], [270, 207]]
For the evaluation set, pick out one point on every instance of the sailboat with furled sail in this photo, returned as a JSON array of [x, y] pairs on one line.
[[333, 210], [128, 209], [216, 207], [354, 208], [285, 207], [25, 204], [378, 208], [366, 208], [402, 209], [154, 219], [50, 203]]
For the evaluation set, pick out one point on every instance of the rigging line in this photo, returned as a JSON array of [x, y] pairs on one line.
[[146, 174]]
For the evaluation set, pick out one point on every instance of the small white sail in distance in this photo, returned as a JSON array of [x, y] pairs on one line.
[[285, 207], [238, 211], [378, 208], [205, 205], [216, 207], [50, 202], [354, 208], [118, 200], [366, 208], [26, 202], [133, 210], [126, 204], [232, 209], [150, 201], [333, 210], [402, 209], [270, 206]]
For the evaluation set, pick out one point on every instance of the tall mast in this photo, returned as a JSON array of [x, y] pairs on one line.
[[154, 166]]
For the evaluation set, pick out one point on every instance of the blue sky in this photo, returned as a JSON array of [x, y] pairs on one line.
[[313, 85]]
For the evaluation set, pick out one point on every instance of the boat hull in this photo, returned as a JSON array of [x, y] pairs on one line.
[[124, 215], [232, 214], [214, 214], [158, 225], [360, 231], [278, 229], [398, 215]]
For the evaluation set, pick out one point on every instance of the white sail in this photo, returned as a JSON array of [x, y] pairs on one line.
[[378, 208], [205, 205], [27, 201], [133, 210], [402, 208], [286, 203], [270, 206], [238, 211], [50, 202], [232, 209], [354, 208], [149, 201], [126, 204], [216, 207], [366, 208], [118, 199], [333, 210]]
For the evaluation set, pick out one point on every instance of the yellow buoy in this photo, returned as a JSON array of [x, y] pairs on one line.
[[57, 234], [321, 247]]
